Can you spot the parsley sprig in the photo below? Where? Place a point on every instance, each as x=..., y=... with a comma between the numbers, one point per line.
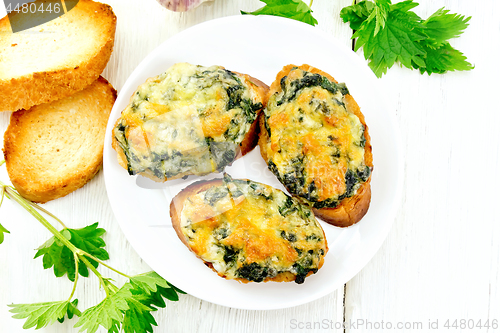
x=73, y=252
x=391, y=33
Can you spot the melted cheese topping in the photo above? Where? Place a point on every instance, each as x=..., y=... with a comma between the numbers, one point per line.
x=188, y=120
x=315, y=146
x=252, y=231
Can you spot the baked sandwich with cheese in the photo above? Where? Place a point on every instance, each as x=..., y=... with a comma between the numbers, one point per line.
x=190, y=120
x=315, y=140
x=248, y=231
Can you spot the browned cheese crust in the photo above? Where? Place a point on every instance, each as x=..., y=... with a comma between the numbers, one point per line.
x=247, y=145
x=352, y=209
x=176, y=207
x=53, y=149
x=56, y=82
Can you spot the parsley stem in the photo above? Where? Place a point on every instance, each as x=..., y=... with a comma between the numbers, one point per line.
x=75, y=256
x=26, y=205
x=2, y=194
x=94, y=270
x=311, y=3
x=105, y=265
x=2, y=162
x=48, y=213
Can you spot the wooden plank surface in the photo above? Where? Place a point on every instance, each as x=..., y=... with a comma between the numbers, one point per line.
x=441, y=258
x=142, y=26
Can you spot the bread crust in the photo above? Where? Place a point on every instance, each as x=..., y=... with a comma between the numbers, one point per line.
x=46, y=160
x=352, y=209
x=55, y=83
x=247, y=145
x=176, y=207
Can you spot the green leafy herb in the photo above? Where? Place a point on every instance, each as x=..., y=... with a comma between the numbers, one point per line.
x=71, y=311
x=391, y=33
x=126, y=309
x=2, y=229
x=293, y=9
x=40, y=314
x=56, y=254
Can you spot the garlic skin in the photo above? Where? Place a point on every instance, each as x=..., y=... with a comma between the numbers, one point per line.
x=181, y=5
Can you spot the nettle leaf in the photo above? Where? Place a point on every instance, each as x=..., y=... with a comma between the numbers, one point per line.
x=442, y=26
x=397, y=41
x=56, y=254
x=392, y=33
x=357, y=14
x=444, y=59
x=293, y=9
x=40, y=314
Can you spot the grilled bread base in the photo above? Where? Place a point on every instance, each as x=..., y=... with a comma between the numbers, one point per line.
x=55, y=148
x=176, y=207
x=55, y=59
x=352, y=209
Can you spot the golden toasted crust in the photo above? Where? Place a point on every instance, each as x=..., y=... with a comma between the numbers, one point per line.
x=247, y=145
x=56, y=66
x=55, y=148
x=175, y=215
x=349, y=210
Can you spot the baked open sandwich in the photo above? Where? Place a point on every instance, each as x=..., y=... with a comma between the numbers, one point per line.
x=315, y=140
x=248, y=231
x=190, y=120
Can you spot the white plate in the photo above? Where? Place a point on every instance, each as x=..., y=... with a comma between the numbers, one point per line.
x=259, y=46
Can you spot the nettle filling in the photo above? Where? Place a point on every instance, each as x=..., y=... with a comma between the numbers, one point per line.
x=316, y=147
x=188, y=120
x=252, y=231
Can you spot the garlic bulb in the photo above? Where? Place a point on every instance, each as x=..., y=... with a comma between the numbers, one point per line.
x=181, y=5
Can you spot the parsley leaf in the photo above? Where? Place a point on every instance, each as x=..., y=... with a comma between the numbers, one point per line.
x=107, y=313
x=129, y=308
x=2, y=231
x=293, y=9
x=138, y=318
x=57, y=255
x=40, y=314
x=71, y=311
x=390, y=33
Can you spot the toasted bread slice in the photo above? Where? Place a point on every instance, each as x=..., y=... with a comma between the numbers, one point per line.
x=57, y=58
x=248, y=231
x=55, y=148
x=190, y=120
x=310, y=140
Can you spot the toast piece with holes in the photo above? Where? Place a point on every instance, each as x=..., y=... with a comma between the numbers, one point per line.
x=55, y=148
x=55, y=59
x=314, y=138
